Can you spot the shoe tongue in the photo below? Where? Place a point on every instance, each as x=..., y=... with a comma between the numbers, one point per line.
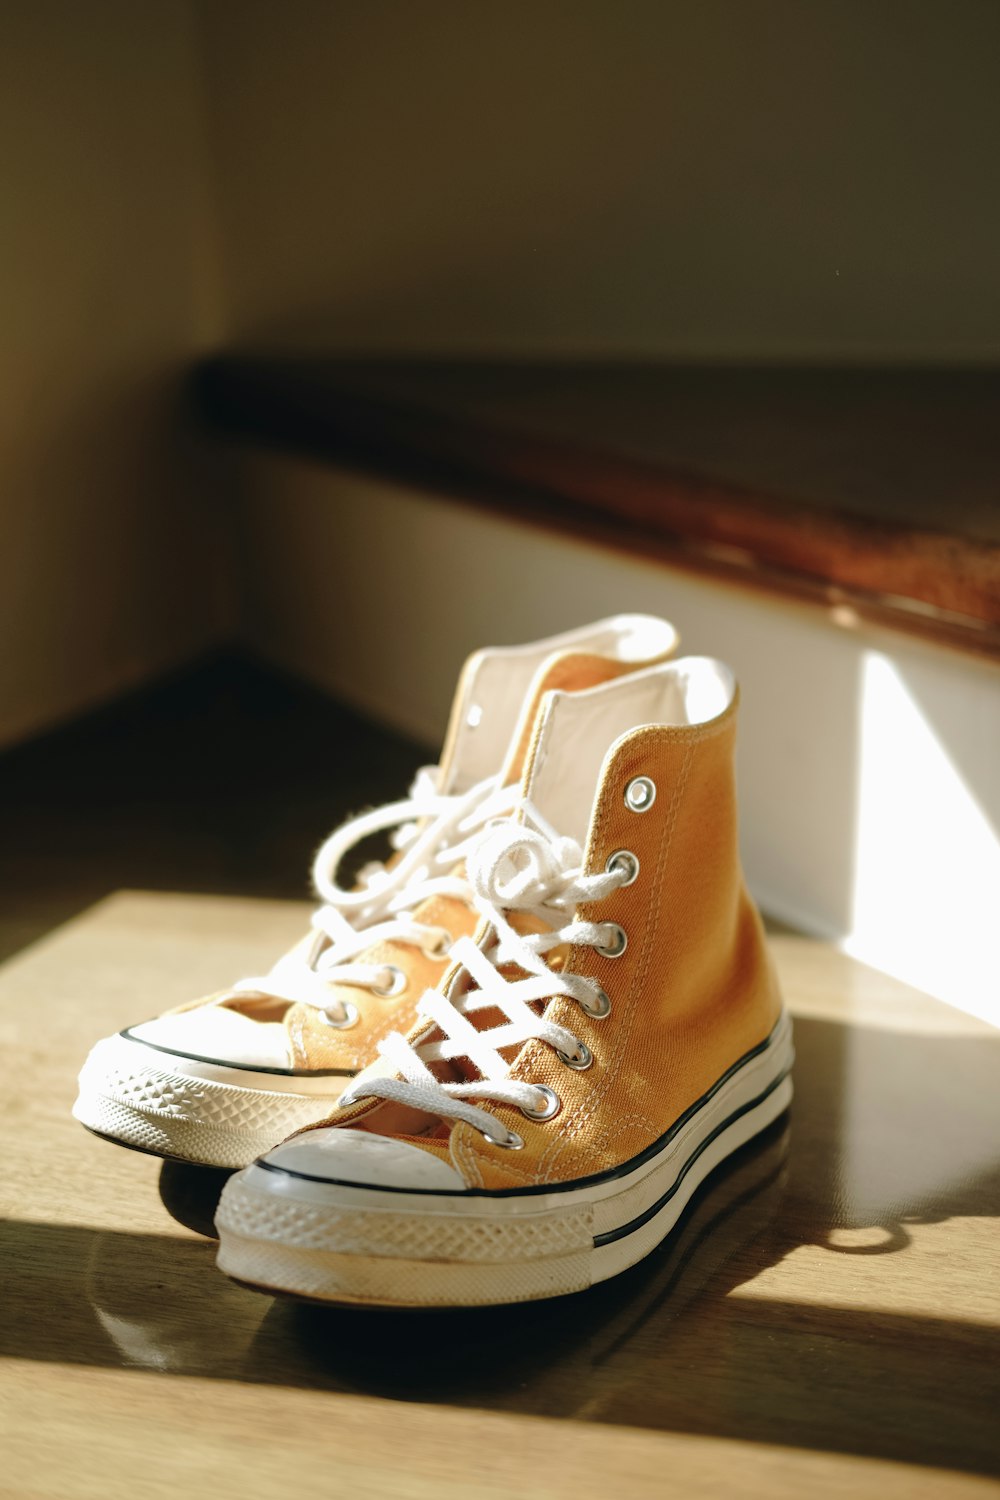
x=496, y=702
x=572, y=734
x=563, y=671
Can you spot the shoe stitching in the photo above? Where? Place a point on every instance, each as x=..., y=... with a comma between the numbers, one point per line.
x=466, y=1161
x=620, y=1125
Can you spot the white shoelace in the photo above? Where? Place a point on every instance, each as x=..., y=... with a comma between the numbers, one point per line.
x=522, y=867
x=433, y=832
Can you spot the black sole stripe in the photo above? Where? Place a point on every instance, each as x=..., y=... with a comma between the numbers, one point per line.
x=221, y=1062
x=620, y=1233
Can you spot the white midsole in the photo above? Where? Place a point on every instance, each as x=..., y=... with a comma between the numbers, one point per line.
x=352, y=1243
x=201, y=1112
x=125, y=1052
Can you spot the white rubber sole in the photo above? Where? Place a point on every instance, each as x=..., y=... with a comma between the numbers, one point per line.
x=339, y=1242
x=193, y=1110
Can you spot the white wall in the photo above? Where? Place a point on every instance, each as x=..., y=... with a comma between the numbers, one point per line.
x=109, y=568
x=868, y=762
x=734, y=178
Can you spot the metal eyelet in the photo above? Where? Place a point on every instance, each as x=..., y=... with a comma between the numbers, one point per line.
x=552, y=1105
x=396, y=985
x=580, y=1060
x=349, y=1017
x=511, y=1142
x=640, y=794
x=441, y=946
x=617, y=944
x=600, y=1008
x=625, y=861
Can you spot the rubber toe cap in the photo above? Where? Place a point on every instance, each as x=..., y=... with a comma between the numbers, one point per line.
x=219, y=1035
x=341, y=1155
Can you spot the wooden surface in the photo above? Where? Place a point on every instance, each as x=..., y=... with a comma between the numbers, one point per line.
x=825, y=1322
x=827, y=1318
x=876, y=491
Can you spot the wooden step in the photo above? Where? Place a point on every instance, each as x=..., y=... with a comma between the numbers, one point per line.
x=873, y=492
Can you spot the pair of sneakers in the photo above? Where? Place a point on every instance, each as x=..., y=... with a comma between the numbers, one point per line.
x=499, y=1065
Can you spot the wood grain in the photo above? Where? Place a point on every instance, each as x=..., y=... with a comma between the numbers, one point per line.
x=872, y=491
x=826, y=1320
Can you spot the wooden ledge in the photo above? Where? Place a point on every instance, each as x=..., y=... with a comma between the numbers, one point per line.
x=875, y=493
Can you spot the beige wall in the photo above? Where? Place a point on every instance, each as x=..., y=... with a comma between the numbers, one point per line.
x=107, y=571
x=760, y=178
x=714, y=177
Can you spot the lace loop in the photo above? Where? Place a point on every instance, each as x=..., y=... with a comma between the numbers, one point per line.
x=514, y=865
x=433, y=832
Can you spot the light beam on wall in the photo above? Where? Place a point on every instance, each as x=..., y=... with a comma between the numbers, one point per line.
x=926, y=899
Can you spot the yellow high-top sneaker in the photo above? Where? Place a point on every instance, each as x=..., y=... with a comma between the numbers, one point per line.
x=219, y=1080
x=611, y=1033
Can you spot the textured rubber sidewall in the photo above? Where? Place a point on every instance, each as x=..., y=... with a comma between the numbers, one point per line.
x=136, y=1096
x=360, y=1255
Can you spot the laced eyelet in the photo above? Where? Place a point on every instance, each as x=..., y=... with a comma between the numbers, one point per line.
x=640, y=794
x=396, y=984
x=625, y=862
x=579, y=1060
x=510, y=1142
x=552, y=1105
x=441, y=946
x=600, y=1007
x=349, y=1017
x=618, y=942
